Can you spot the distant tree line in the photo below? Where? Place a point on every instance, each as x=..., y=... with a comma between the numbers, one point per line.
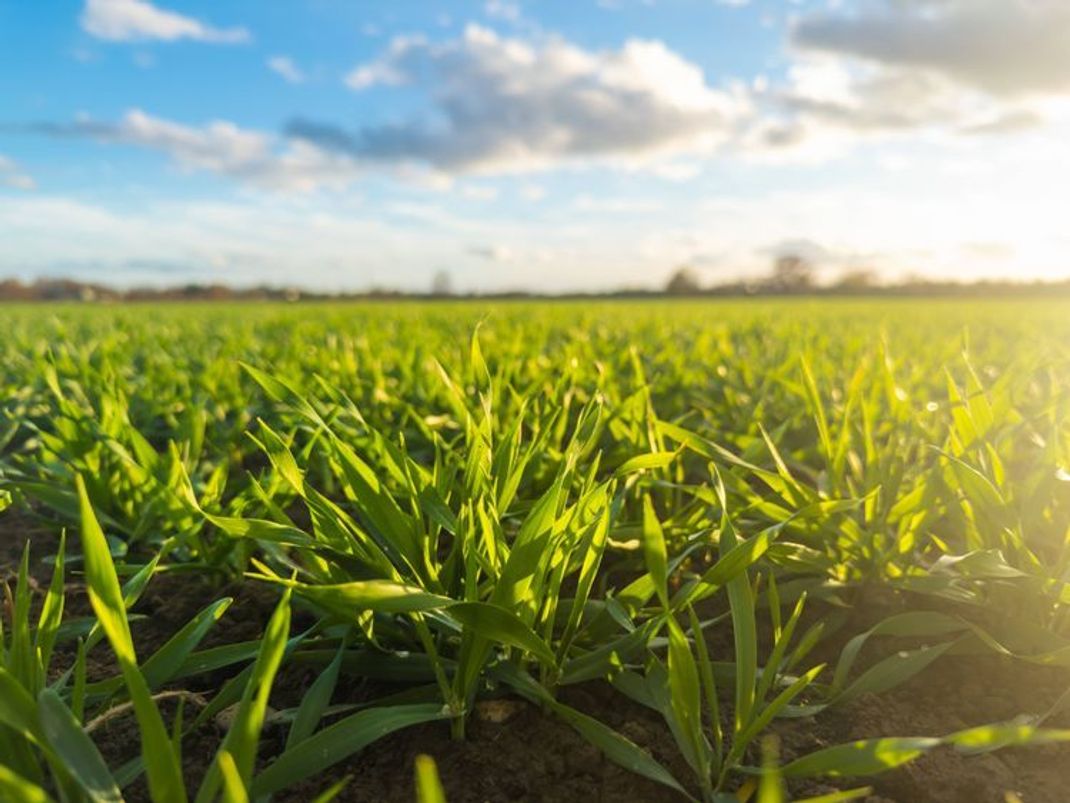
x=790, y=275
x=71, y=290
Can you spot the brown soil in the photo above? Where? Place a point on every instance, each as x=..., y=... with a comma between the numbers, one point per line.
x=955, y=693
x=533, y=757
x=16, y=529
x=529, y=757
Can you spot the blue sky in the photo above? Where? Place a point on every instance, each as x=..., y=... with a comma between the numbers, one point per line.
x=556, y=145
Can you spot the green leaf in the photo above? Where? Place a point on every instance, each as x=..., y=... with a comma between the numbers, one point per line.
x=16, y=788
x=839, y=797
x=686, y=700
x=981, y=563
x=167, y=662
x=593, y=548
x=645, y=461
x=51, y=613
x=244, y=735
x=428, y=786
x=18, y=709
x=78, y=690
x=315, y=701
x=766, y=714
x=233, y=788
x=161, y=764
x=863, y=757
x=891, y=672
x=22, y=661
x=499, y=625
x=729, y=566
x=654, y=551
x=607, y=657
x=709, y=687
x=617, y=748
x=75, y=749
x=333, y=791
x=381, y=596
x=986, y=738
x=910, y=624
x=339, y=741
x=741, y=604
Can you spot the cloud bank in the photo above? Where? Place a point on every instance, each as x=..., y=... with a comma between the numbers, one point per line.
x=1010, y=48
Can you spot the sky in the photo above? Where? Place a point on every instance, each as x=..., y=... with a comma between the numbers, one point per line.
x=561, y=145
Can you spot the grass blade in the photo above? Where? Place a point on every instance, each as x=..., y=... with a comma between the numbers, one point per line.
x=105, y=595
x=338, y=741
x=75, y=749
x=428, y=786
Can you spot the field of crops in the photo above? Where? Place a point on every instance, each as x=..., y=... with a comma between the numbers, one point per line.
x=663, y=551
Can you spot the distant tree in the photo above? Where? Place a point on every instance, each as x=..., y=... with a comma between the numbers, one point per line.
x=792, y=273
x=857, y=279
x=442, y=284
x=13, y=289
x=683, y=282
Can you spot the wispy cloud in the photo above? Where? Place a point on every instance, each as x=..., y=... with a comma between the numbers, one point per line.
x=140, y=20
x=223, y=148
x=285, y=67
x=830, y=100
x=13, y=177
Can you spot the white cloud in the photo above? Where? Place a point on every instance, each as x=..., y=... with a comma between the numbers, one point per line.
x=824, y=98
x=383, y=72
x=139, y=20
x=510, y=104
x=878, y=67
x=1009, y=48
x=285, y=67
x=13, y=177
x=221, y=147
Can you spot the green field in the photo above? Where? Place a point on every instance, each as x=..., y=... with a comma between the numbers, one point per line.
x=739, y=550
